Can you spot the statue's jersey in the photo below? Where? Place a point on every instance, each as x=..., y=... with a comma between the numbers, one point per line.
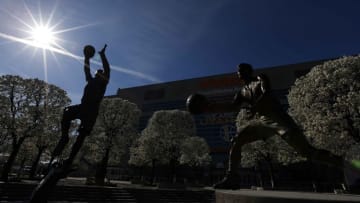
x=248, y=94
x=94, y=91
x=255, y=99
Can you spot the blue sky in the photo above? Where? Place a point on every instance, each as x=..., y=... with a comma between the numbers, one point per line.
x=165, y=40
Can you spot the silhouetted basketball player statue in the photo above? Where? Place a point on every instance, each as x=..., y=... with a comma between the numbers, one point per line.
x=87, y=112
x=254, y=98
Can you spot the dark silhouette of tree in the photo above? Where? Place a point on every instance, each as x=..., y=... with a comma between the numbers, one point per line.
x=24, y=111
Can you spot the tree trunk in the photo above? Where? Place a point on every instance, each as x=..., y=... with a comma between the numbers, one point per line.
x=259, y=175
x=173, y=170
x=142, y=173
x=153, y=171
x=101, y=169
x=9, y=163
x=271, y=173
x=36, y=162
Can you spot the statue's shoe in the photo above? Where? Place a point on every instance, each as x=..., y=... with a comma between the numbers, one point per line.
x=229, y=182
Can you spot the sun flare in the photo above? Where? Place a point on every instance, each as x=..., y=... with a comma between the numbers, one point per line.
x=43, y=36
x=41, y=31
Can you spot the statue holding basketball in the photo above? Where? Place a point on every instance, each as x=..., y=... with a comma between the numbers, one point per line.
x=254, y=98
x=87, y=111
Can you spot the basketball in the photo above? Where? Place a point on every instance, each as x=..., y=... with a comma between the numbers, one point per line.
x=196, y=103
x=89, y=51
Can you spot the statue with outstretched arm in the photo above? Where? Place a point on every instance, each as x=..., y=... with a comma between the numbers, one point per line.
x=252, y=99
x=87, y=112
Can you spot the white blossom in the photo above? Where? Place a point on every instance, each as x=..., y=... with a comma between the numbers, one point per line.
x=326, y=104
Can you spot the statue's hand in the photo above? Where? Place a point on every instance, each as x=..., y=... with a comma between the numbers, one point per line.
x=102, y=51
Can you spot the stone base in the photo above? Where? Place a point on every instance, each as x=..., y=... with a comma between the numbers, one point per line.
x=263, y=196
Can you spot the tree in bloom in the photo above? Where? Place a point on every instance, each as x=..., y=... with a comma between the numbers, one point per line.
x=113, y=134
x=163, y=140
x=26, y=111
x=195, y=152
x=326, y=104
x=49, y=132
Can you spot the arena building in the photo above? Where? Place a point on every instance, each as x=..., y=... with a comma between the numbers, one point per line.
x=217, y=129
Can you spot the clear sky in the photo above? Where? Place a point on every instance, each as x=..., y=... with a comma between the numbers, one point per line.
x=151, y=41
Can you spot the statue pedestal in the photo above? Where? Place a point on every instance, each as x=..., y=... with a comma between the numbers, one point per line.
x=263, y=196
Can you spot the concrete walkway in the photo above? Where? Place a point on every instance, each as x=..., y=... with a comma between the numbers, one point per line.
x=259, y=196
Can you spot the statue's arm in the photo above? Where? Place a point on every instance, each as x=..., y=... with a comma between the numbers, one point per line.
x=87, y=68
x=264, y=83
x=224, y=107
x=264, y=86
x=105, y=62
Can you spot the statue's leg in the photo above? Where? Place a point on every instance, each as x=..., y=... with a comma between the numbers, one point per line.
x=70, y=113
x=88, y=118
x=74, y=150
x=246, y=135
x=56, y=171
x=83, y=133
x=41, y=192
x=287, y=128
x=296, y=139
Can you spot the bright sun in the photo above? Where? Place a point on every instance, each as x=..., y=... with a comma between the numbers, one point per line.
x=43, y=36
